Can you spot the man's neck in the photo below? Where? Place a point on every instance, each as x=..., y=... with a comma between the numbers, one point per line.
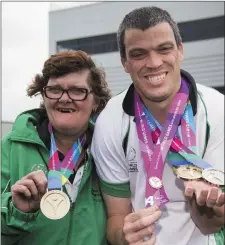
x=159, y=110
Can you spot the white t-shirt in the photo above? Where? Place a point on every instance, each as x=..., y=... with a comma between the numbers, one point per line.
x=122, y=171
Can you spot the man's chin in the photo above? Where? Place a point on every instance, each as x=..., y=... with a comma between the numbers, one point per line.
x=157, y=99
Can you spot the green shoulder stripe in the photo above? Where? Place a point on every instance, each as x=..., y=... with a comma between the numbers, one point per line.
x=116, y=190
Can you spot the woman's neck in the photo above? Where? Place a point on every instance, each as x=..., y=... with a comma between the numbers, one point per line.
x=65, y=142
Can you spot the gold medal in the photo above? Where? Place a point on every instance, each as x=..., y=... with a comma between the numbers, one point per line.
x=213, y=176
x=189, y=172
x=155, y=182
x=55, y=204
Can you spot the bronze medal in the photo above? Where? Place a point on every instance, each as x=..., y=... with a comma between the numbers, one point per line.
x=55, y=204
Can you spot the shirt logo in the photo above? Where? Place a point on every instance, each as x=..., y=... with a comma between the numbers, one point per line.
x=39, y=166
x=132, y=160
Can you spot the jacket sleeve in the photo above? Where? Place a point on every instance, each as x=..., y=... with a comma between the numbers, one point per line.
x=14, y=224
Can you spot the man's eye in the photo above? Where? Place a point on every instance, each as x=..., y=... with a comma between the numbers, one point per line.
x=137, y=55
x=165, y=49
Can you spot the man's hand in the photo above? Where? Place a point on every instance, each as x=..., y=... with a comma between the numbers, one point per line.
x=204, y=193
x=27, y=192
x=207, y=205
x=139, y=225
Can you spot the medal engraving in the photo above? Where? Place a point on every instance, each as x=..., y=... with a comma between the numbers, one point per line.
x=189, y=172
x=213, y=176
x=55, y=204
x=155, y=182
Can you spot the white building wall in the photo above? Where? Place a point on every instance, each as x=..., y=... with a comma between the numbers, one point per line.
x=5, y=127
x=203, y=59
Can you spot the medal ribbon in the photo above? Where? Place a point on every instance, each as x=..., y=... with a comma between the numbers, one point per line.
x=59, y=172
x=187, y=149
x=154, y=157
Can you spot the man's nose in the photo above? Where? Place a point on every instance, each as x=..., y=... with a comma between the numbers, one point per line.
x=153, y=61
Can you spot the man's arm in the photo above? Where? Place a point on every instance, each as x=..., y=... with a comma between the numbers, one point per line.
x=125, y=227
x=117, y=209
x=207, y=201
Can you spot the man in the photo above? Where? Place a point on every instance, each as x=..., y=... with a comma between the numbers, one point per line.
x=163, y=127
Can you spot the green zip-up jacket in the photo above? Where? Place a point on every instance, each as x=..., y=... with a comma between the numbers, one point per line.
x=23, y=151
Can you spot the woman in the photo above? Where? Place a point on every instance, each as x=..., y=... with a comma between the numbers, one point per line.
x=49, y=187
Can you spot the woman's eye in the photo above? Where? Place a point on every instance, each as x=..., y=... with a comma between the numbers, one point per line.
x=54, y=90
x=77, y=91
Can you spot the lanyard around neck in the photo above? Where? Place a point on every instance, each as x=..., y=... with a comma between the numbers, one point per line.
x=154, y=156
x=61, y=171
x=185, y=147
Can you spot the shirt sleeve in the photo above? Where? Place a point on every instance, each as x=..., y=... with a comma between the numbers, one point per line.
x=109, y=155
x=214, y=154
x=14, y=223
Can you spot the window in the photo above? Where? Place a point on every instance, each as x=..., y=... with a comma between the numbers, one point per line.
x=91, y=45
x=190, y=31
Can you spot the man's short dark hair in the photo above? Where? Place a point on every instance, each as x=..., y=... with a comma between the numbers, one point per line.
x=143, y=18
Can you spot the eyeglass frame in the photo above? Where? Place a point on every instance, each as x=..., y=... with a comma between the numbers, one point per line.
x=67, y=92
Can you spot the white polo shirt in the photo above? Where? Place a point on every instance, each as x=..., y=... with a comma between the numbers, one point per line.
x=121, y=168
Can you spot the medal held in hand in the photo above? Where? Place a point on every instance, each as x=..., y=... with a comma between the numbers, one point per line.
x=213, y=176
x=55, y=204
x=189, y=172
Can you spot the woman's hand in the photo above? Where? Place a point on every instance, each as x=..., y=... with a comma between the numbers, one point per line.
x=27, y=192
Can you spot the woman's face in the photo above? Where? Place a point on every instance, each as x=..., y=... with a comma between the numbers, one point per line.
x=67, y=116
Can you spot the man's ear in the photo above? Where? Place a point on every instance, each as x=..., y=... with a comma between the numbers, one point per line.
x=125, y=65
x=181, y=51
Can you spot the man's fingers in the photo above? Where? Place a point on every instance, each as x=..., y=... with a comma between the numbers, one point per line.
x=212, y=197
x=151, y=241
x=140, y=224
x=201, y=197
x=146, y=221
x=141, y=213
x=189, y=192
x=221, y=200
x=139, y=235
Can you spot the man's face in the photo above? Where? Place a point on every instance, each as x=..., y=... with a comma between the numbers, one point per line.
x=67, y=116
x=153, y=61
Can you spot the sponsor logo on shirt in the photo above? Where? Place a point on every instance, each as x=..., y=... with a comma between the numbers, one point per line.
x=132, y=160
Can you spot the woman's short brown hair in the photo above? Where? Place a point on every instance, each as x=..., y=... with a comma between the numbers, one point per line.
x=66, y=62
